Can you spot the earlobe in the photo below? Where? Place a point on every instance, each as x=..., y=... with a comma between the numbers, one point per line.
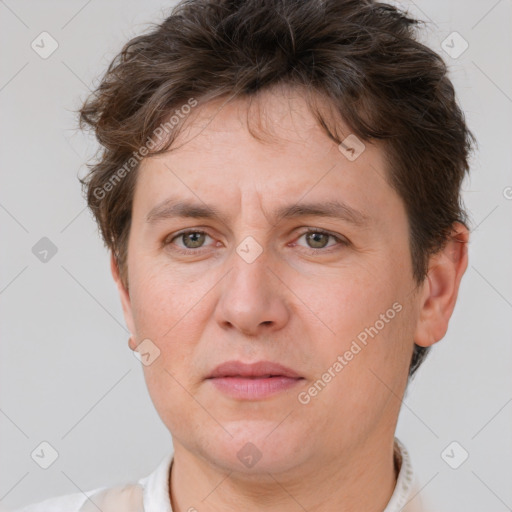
x=441, y=287
x=131, y=343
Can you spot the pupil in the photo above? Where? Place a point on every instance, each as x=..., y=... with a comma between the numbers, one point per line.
x=314, y=238
x=195, y=239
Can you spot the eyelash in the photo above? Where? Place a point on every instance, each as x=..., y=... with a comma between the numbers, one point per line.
x=309, y=250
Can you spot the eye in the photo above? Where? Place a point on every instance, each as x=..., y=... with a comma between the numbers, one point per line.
x=318, y=239
x=191, y=240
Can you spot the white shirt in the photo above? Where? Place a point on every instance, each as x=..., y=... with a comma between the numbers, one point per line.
x=151, y=493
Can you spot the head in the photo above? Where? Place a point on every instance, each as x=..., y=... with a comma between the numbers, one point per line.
x=242, y=127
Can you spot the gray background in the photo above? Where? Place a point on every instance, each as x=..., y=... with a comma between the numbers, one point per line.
x=67, y=375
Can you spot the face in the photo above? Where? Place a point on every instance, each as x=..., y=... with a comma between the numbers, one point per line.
x=234, y=255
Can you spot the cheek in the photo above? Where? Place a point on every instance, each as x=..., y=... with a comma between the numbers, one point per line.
x=362, y=315
x=174, y=405
x=369, y=376
x=347, y=301
x=172, y=313
x=159, y=298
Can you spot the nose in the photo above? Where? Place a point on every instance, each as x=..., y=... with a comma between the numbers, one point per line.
x=253, y=299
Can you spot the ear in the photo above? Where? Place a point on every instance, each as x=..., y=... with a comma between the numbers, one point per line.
x=125, y=300
x=441, y=287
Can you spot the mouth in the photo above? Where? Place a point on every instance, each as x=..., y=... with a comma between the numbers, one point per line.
x=253, y=381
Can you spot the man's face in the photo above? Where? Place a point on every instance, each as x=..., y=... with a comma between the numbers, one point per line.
x=251, y=286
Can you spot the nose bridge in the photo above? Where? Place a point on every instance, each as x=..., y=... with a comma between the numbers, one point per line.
x=251, y=298
x=251, y=261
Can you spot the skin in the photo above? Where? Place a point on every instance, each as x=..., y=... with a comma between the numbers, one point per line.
x=290, y=306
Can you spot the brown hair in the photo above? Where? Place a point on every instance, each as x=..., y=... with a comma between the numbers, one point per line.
x=359, y=55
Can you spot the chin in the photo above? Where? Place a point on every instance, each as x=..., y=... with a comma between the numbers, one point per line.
x=257, y=447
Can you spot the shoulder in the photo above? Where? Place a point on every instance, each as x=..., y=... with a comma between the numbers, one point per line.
x=150, y=492
x=66, y=502
x=112, y=499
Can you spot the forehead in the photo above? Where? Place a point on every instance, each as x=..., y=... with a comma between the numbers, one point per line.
x=269, y=149
x=277, y=121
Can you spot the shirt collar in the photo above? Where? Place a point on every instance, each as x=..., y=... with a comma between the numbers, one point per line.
x=406, y=485
x=157, y=497
x=156, y=487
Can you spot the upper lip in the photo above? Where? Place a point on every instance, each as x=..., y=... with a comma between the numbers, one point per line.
x=259, y=369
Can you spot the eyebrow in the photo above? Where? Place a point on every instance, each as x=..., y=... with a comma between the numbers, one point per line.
x=171, y=208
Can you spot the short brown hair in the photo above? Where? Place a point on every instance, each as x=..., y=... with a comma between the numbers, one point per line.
x=361, y=56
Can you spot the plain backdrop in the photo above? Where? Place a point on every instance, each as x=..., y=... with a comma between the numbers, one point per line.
x=68, y=377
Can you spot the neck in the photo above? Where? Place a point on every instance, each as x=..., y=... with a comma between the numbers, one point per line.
x=362, y=480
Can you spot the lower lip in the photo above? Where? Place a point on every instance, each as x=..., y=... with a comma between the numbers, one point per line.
x=253, y=389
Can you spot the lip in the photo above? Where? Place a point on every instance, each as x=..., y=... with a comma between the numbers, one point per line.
x=253, y=381
x=259, y=369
